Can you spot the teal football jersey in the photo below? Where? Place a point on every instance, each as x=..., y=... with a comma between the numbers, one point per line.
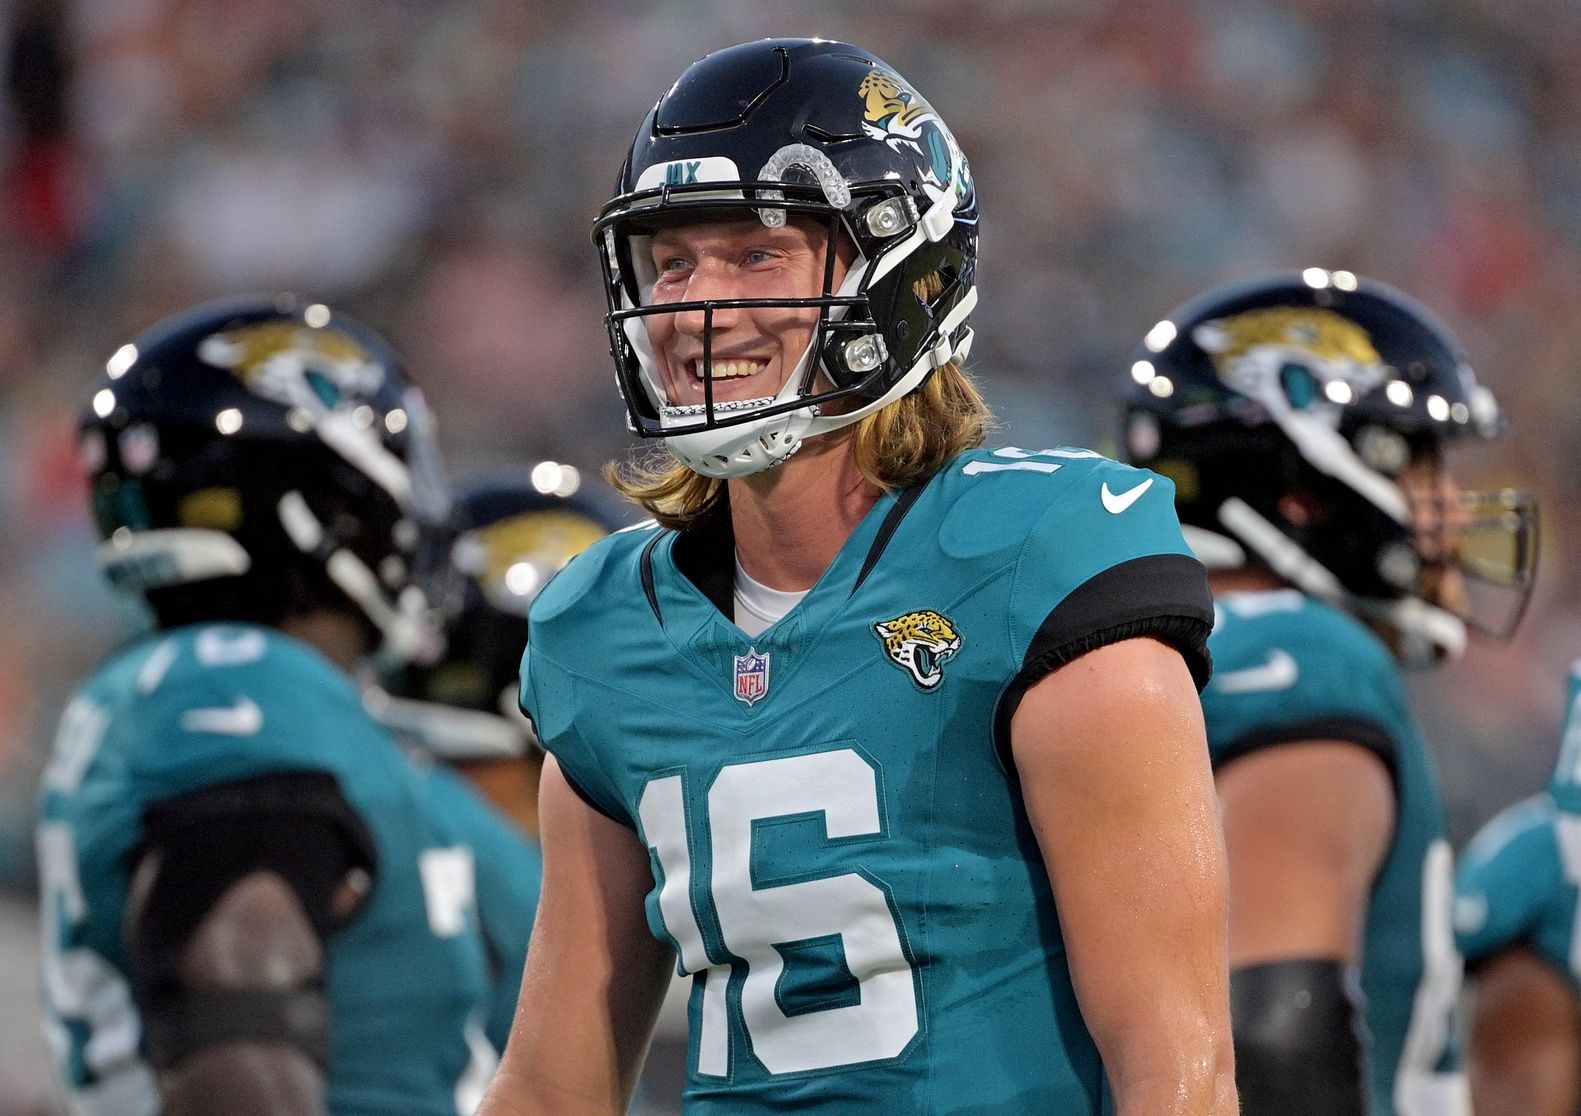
x=841, y=858
x=1288, y=669
x=509, y=867
x=1519, y=877
x=208, y=705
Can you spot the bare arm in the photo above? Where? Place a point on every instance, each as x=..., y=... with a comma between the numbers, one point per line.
x=1306, y=827
x=595, y=973
x=256, y=938
x=1525, y=1048
x=1114, y=768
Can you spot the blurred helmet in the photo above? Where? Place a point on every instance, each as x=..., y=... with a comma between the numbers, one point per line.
x=258, y=458
x=826, y=131
x=511, y=534
x=1287, y=410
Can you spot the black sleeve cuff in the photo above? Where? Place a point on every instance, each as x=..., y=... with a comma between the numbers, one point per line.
x=296, y=824
x=1161, y=596
x=292, y=796
x=1360, y=731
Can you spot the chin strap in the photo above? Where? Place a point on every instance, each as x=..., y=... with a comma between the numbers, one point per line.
x=1426, y=634
x=403, y=621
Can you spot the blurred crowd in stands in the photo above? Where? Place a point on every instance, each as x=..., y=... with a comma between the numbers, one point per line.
x=435, y=167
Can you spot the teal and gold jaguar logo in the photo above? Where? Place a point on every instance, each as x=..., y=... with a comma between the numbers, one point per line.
x=1293, y=358
x=295, y=365
x=899, y=116
x=920, y=643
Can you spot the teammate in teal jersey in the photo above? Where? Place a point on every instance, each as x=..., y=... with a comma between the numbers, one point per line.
x=892, y=744
x=1304, y=419
x=513, y=533
x=1515, y=921
x=248, y=904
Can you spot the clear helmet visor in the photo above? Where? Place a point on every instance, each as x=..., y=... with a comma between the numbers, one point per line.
x=1492, y=565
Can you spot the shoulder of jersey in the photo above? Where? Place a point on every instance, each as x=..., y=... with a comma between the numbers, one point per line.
x=235, y=680
x=583, y=576
x=1511, y=827
x=1304, y=627
x=1018, y=486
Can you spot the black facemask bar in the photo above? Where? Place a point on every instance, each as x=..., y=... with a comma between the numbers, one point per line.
x=628, y=217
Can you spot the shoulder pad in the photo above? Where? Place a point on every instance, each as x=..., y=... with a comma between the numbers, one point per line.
x=570, y=588
x=229, y=701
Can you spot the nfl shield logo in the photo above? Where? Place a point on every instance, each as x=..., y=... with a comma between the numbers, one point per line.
x=752, y=677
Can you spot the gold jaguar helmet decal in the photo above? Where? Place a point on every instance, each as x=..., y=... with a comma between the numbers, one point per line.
x=295, y=365
x=512, y=559
x=896, y=114
x=1293, y=358
x=920, y=643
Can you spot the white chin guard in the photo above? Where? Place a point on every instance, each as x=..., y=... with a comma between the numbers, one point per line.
x=739, y=451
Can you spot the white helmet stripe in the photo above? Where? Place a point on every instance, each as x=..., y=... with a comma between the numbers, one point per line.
x=362, y=449
x=1328, y=451
x=170, y=556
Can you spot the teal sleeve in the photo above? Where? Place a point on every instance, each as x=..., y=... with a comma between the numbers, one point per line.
x=1308, y=674
x=548, y=698
x=208, y=725
x=1089, y=575
x=1509, y=877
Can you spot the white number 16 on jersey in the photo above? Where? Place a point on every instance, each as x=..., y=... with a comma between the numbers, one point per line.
x=755, y=922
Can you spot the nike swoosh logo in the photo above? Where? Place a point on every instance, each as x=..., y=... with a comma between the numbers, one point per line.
x=242, y=719
x=1114, y=504
x=1278, y=673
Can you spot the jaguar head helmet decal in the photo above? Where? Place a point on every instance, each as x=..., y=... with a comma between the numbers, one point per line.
x=317, y=369
x=1293, y=358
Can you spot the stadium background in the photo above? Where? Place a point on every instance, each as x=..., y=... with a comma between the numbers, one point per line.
x=434, y=166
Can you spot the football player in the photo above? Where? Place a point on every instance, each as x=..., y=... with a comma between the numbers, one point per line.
x=248, y=905
x=1515, y=921
x=892, y=743
x=1305, y=420
x=513, y=534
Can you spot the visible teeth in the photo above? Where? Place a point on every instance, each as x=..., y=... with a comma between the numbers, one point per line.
x=731, y=369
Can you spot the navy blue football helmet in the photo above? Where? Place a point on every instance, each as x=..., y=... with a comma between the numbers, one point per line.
x=511, y=533
x=257, y=458
x=819, y=130
x=1289, y=410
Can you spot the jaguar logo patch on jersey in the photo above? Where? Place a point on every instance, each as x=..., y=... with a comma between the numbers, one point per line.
x=752, y=677
x=920, y=643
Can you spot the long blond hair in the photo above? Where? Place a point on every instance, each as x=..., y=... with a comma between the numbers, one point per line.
x=910, y=439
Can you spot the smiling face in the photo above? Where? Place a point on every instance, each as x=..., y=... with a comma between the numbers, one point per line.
x=754, y=350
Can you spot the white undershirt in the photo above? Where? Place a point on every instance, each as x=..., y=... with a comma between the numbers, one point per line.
x=757, y=607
